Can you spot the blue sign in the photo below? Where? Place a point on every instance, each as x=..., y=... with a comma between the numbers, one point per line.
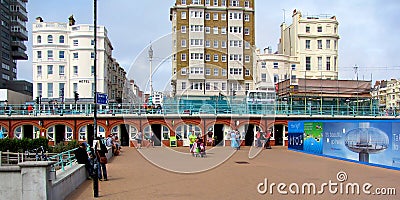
x=102, y=98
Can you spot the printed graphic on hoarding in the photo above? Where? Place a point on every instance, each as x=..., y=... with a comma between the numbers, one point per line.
x=313, y=137
x=296, y=141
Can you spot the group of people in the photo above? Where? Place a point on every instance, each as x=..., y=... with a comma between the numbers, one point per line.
x=150, y=138
x=263, y=139
x=113, y=142
x=235, y=139
x=197, y=145
x=95, y=159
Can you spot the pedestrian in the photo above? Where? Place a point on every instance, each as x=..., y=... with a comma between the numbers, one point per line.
x=101, y=151
x=151, y=139
x=139, y=138
x=238, y=139
x=192, y=140
x=267, y=138
x=233, y=140
x=110, y=143
x=258, y=139
x=30, y=109
x=82, y=157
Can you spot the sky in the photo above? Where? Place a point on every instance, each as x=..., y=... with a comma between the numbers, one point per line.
x=368, y=30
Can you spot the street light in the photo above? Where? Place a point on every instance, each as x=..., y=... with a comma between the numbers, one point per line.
x=151, y=70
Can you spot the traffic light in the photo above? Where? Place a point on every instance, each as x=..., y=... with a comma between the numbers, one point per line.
x=76, y=96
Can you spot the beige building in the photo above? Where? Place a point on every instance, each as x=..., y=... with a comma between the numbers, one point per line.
x=212, y=45
x=311, y=42
x=387, y=93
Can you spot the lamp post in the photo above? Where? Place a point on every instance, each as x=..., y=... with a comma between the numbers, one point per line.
x=95, y=177
x=151, y=70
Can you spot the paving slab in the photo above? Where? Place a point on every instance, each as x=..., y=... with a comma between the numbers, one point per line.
x=133, y=176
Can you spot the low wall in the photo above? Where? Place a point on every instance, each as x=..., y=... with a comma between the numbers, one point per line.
x=35, y=180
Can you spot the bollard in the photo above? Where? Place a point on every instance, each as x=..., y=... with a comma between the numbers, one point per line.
x=1, y=158
x=95, y=178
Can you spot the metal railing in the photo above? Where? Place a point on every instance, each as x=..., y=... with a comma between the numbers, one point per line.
x=66, y=158
x=197, y=109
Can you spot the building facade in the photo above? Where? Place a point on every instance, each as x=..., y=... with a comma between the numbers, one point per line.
x=388, y=94
x=13, y=36
x=63, y=62
x=312, y=41
x=213, y=44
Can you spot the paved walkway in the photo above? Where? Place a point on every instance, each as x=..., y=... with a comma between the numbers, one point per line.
x=132, y=176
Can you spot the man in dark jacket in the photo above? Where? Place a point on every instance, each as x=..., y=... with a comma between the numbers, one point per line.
x=82, y=157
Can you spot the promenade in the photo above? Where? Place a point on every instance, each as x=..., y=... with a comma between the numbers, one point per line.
x=133, y=176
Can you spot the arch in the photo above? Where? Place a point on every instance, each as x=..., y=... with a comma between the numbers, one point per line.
x=26, y=131
x=3, y=132
x=50, y=39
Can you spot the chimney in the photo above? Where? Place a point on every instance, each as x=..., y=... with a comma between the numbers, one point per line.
x=39, y=19
x=71, y=20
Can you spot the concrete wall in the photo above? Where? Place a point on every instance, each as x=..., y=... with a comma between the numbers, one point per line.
x=66, y=182
x=11, y=182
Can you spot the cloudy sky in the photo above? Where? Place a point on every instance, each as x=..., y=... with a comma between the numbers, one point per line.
x=368, y=29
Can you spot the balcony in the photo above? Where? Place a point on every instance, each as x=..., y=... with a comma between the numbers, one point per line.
x=19, y=55
x=19, y=45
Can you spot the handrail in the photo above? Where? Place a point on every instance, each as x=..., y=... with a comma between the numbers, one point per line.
x=63, y=159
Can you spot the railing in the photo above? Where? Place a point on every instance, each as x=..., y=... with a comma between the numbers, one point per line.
x=196, y=109
x=66, y=158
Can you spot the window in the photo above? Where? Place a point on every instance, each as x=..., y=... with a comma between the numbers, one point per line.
x=247, y=58
x=92, y=55
x=39, y=89
x=196, y=2
x=235, y=29
x=183, y=71
x=308, y=63
x=328, y=63
x=246, y=17
x=276, y=65
x=49, y=69
x=61, y=70
x=223, y=30
x=223, y=58
x=76, y=55
x=208, y=43
x=39, y=54
x=208, y=30
x=308, y=46
x=215, y=2
x=215, y=16
x=235, y=57
x=334, y=44
x=92, y=42
x=216, y=58
x=223, y=72
x=183, y=15
x=215, y=30
x=61, y=39
x=207, y=16
x=183, y=2
x=183, y=43
x=247, y=4
x=39, y=39
x=234, y=3
x=223, y=2
x=320, y=63
x=235, y=71
x=235, y=43
x=75, y=70
x=223, y=16
x=293, y=67
x=61, y=86
x=276, y=78
x=208, y=71
x=235, y=16
x=207, y=2
x=264, y=77
x=183, y=57
x=208, y=86
x=196, y=14
x=319, y=44
x=196, y=70
x=247, y=72
x=328, y=44
x=216, y=71
x=39, y=70
x=215, y=86
x=50, y=39
x=263, y=65
x=215, y=43
x=61, y=54
x=223, y=86
x=223, y=44
x=196, y=28
x=307, y=29
x=319, y=29
x=49, y=54
x=92, y=70
x=183, y=29
x=49, y=89
x=76, y=43
x=183, y=86
x=196, y=56
x=208, y=57
x=75, y=86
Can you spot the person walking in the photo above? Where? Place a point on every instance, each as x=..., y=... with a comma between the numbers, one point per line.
x=139, y=139
x=151, y=139
x=233, y=140
x=101, y=154
x=238, y=139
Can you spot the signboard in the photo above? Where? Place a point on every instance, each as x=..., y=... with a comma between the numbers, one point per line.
x=102, y=98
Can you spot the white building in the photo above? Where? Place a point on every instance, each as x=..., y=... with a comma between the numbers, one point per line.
x=308, y=48
x=63, y=59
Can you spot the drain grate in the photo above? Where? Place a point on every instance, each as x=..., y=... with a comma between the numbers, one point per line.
x=242, y=162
